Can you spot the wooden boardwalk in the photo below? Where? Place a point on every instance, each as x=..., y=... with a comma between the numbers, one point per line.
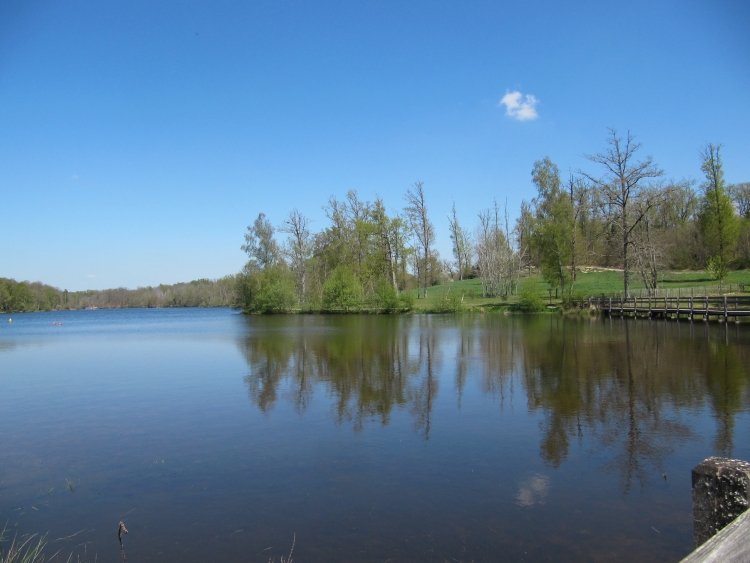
x=721, y=308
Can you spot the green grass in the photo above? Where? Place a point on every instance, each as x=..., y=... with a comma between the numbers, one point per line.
x=590, y=282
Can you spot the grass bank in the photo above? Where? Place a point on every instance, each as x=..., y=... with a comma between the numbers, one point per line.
x=591, y=281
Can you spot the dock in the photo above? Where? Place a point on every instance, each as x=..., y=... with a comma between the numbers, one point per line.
x=691, y=308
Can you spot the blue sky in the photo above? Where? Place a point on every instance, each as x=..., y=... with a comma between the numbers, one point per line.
x=139, y=139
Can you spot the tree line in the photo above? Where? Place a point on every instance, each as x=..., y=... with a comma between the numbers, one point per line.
x=35, y=296
x=628, y=216
x=623, y=214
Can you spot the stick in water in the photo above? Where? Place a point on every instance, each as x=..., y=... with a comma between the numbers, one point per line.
x=120, y=530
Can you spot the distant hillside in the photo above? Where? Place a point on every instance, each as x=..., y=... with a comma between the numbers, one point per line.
x=35, y=296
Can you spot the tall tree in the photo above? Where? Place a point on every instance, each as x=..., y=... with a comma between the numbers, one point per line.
x=260, y=244
x=717, y=217
x=554, y=225
x=461, y=245
x=524, y=231
x=298, y=248
x=648, y=250
x=424, y=232
x=623, y=190
x=578, y=193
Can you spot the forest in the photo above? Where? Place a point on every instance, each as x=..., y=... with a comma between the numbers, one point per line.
x=36, y=296
x=624, y=214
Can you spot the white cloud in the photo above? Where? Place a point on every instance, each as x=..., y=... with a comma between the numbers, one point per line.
x=533, y=490
x=90, y=276
x=519, y=106
x=74, y=177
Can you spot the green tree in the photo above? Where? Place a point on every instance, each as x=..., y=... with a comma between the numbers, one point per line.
x=719, y=224
x=524, y=233
x=554, y=225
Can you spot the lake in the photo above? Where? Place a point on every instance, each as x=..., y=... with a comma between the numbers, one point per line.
x=216, y=436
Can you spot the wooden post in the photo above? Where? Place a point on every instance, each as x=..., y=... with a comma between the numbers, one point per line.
x=649, y=307
x=721, y=491
x=726, y=317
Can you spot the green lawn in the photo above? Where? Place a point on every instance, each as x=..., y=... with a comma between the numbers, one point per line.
x=593, y=282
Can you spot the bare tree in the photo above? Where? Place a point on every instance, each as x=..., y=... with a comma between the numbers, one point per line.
x=461, y=244
x=740, y=194
x=424, y=232
x=298, y=248
x=623, y=187
x=497, y=262
x=649, y=251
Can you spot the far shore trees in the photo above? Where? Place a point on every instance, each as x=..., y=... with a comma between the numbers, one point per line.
x=26, y=296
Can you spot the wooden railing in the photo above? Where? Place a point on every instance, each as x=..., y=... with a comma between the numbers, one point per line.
x=726, y=307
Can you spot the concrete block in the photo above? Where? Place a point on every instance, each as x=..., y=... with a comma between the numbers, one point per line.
x=721, y=491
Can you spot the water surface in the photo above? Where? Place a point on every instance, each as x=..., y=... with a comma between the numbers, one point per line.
x=220, y=437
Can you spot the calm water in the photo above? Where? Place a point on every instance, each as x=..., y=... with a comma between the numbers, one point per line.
x=218, y=437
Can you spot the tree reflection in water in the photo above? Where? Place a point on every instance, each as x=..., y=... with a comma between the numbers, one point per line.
x=621, y=384
x=367, y=367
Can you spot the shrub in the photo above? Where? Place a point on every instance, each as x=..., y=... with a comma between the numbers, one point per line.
x=573, y=299
x=341, y=290
x=406, y=300
x=270, y=290
x=386, y=296
x=530, y=300
x=451, y=302
x=716, y=268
